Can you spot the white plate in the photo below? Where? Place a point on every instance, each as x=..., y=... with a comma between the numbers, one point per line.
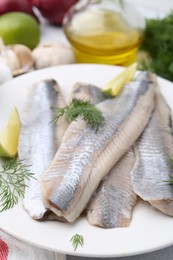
x=149, y=230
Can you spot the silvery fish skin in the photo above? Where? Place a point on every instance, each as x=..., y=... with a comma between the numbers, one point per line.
x=87, y=92
x=113, y=202
x=153, y=170
x=86, y=156
x=38, y=141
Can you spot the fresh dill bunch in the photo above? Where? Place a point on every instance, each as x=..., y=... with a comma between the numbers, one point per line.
x=77, y=240
x=12, y=186
x=158, y=43
x=83, y=108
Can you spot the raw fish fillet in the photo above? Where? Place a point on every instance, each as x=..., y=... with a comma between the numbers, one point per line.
x=86, y=156
x=113, y=202
x=39, y=140
x=155, y=147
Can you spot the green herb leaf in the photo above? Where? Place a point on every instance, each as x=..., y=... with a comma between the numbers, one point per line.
x=77, y=240
x=171, y=181
x=12, y=186
x=85, y=109
x=158, y=42
x=170, y=161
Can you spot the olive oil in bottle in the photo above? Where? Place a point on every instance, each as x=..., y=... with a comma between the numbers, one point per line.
x=103, y=35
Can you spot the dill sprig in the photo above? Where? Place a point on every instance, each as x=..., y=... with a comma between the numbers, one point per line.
x=170, y=160
x=83, y=108
x=12, y=186
x=77, y=240
x=171, y=181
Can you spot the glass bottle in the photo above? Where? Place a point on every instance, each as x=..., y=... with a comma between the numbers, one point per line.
x=104, y=31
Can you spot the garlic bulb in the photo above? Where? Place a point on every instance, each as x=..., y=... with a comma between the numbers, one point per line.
x=53, y=54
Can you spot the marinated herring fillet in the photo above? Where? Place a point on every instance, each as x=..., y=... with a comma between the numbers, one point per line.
x=154, y=148
x=85, y=92
x=38, y=140
x=53, y=133
x=86, y=156
x=112, y=204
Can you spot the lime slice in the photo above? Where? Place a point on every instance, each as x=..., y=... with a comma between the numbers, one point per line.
x=10, y=135
x=114, y=86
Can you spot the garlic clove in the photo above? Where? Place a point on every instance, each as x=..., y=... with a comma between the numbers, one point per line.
x=18, y=57
x=9, y=58
x=5, y=73
x=24, y=55
x=52, y=54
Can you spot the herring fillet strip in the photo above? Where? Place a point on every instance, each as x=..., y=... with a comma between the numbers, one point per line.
x=154, y=148
x=38, y=140
x=33, y=199
x=85, y=156
x=82, y=91
x=112, y=204
x=113, y=201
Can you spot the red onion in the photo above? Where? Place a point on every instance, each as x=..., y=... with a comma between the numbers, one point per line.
x=53, y=10
x=16, y=5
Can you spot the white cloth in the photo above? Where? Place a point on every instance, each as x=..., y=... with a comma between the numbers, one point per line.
x=14, y=249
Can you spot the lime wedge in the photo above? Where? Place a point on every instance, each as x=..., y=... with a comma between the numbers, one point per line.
x=10, y=135
x=114, y=86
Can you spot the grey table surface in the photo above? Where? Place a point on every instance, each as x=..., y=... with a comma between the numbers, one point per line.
x=163, y=254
